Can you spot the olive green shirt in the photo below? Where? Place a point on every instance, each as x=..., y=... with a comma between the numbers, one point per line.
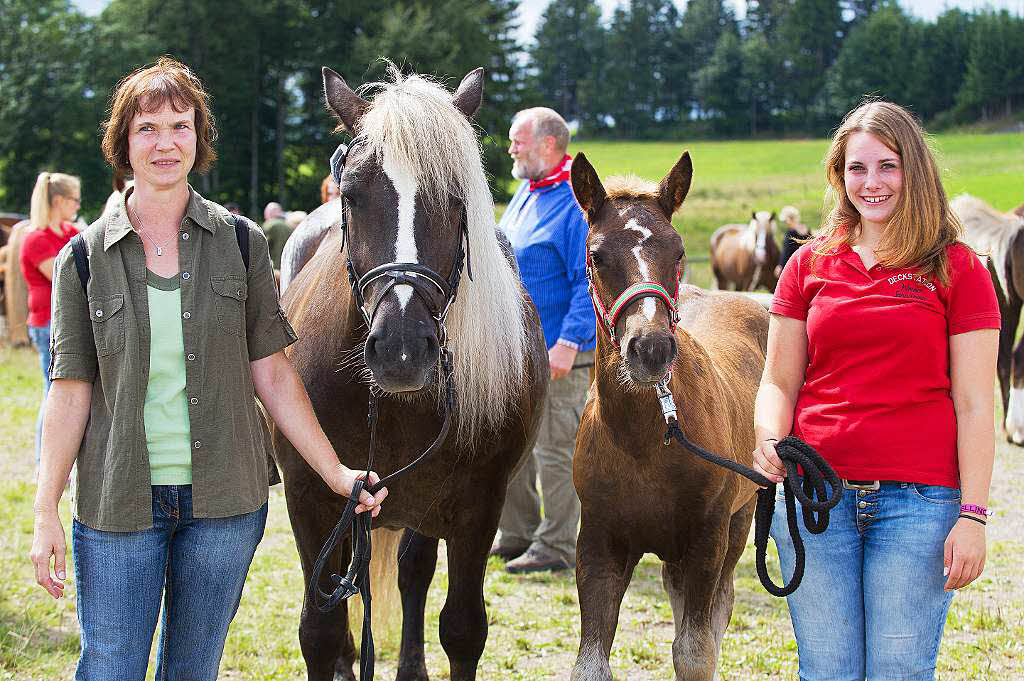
x=230, y=318
x=277, y=231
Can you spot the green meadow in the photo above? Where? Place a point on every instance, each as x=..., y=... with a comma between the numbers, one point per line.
x=534, y=620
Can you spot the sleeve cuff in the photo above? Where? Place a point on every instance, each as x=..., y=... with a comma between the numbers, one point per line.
x=568, y=344
x=276, y=334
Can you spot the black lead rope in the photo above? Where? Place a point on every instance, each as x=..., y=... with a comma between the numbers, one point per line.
x=814, y=498
x=357, y=578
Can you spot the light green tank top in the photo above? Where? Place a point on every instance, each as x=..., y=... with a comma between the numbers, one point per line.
x=166, y=409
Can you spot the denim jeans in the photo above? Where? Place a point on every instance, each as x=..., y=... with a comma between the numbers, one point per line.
x=198, y=565
x=871, y=604
x=40, y=336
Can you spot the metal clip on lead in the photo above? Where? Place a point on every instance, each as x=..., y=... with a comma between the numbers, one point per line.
x=668, y=405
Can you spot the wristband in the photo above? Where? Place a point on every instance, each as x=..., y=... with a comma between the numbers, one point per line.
x=971, y=517
x=974, y=508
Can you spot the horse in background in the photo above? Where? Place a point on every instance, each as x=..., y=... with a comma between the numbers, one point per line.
x=306, y=238
x=694, y=515
x=745, y=256
x=1000, y=236
x=416, y=200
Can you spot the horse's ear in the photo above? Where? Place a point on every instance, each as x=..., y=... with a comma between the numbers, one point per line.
x=587, y=187
x=470, y=93
x=676, y=185
x=753, y=215
x=343, y=101
x=772, y=218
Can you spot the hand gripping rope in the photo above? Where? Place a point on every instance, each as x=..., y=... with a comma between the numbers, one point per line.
x=813, y=497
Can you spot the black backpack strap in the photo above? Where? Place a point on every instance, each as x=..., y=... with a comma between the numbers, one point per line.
x=81, y=259
x=242, y=235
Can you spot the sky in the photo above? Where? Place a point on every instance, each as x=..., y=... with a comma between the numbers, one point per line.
x=530, y=10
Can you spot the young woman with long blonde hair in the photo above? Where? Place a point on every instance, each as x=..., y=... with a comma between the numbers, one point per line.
x=881, y=355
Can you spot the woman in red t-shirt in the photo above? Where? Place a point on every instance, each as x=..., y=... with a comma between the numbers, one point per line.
x=55, y=201
x=882, y=355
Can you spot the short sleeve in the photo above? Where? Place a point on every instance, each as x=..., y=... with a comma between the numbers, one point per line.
x=266, y=328
x=72, y=346
x=789, y=300
x=971, y=300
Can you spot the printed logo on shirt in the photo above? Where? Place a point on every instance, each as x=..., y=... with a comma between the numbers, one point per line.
x=910, y=286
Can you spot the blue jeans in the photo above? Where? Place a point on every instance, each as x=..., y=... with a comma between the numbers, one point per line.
x=871, y=604
x=40, y=336
x=199, y=566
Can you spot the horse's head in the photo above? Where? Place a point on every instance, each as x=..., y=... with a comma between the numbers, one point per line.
x=762, y=223
x=635, y=259
x=405, y=216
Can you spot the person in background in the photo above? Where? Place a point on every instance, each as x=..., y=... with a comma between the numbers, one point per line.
x=548, y=233
x=294, y=218
x=157, y=360
x=329, y=189
x=796, y=233
x=277, y=230
x=56, y=199
x=882, y=356
x=233, y=208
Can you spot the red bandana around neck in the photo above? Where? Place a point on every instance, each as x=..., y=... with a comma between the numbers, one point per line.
x=559, y=174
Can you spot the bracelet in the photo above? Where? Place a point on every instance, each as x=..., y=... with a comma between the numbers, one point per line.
x=974, y=508
x=971, y=517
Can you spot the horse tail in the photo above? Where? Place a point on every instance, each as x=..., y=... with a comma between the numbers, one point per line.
x=387, y=602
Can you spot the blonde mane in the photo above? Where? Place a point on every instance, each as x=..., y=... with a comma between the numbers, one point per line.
x=412, y=123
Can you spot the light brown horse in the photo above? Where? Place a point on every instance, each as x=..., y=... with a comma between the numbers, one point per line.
x=638, y=495
x=744, y=256
x=416, y=204
x=1000, y=237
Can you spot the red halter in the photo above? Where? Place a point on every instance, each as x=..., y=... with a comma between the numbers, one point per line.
x=643, y=289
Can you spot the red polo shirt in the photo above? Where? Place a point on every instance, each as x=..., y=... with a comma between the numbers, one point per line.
x=41, y=245
x=876, y=397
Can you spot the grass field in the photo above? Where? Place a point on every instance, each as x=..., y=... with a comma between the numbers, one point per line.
x=534, y=621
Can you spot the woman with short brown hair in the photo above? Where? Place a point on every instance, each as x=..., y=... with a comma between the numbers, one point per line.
x=157, y=357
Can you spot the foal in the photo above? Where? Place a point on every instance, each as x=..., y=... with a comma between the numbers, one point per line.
x=745, y=255
x=638, y=495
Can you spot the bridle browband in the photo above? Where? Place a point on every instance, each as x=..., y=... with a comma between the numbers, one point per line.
x=424, y=281
x=609, y=317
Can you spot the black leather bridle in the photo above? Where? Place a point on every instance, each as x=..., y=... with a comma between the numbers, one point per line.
x=423, y=280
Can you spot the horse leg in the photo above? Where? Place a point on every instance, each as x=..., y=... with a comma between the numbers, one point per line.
x=1009, y=363
x=693, y=589
x=325, y=639
x=603, y=571
x=415, y=571
x=463, y=621
x=721, y=610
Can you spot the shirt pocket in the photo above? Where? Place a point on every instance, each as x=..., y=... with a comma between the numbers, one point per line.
x=107, y=323
x=230, y=303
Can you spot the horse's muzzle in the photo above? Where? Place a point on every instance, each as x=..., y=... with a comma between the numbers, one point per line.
x=649, y=356
x=402, y=353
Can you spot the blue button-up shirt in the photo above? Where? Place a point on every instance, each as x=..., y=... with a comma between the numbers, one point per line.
x=549, y=236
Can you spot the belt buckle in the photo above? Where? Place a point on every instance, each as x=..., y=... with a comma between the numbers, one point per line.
x=872, y=485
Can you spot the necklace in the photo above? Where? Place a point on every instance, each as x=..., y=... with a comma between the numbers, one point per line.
x=142, y=232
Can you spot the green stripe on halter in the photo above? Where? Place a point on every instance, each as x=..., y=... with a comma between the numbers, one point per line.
x=645, y=287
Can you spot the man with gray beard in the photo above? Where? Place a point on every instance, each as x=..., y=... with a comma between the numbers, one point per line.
x=548, y=233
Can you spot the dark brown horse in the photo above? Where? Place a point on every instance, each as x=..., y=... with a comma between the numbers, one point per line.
x=1000, y=236
x=744, y=256
x=415, y=193
x=639, y=495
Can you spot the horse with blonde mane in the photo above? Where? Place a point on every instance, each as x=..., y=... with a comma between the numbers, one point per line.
x=745, y=256
x=415, y=198
x=1000, y=236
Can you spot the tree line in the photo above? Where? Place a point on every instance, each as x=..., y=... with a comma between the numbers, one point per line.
x=789, y=66
x=651, y=71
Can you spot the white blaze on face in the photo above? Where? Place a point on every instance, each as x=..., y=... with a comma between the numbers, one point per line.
x=648, y=305
x=405, y=244
x=1015, y=416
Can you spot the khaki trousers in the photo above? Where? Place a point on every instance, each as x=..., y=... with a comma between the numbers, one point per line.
x=521, y=522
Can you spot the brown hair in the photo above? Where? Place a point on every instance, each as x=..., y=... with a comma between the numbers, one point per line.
x=922, y=226
x=147, y=89
x=325, y=188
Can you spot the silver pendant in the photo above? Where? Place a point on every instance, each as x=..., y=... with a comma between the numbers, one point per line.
x=159, y=251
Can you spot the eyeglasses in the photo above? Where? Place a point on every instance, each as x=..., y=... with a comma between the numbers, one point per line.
x=76, y=199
